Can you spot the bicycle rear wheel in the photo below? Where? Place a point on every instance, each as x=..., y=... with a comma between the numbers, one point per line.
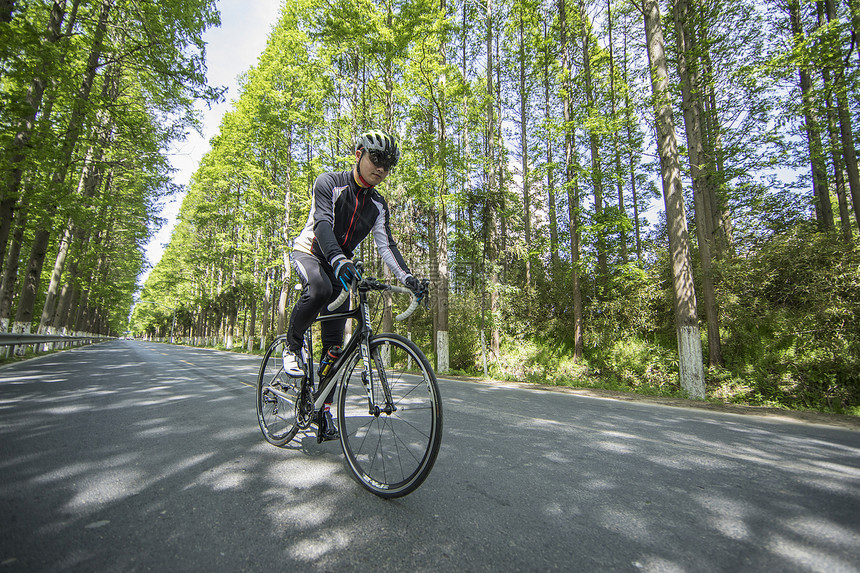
x=277, y=395
x=390, y=454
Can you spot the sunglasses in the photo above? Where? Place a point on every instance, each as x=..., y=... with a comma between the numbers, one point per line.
x=382, y=160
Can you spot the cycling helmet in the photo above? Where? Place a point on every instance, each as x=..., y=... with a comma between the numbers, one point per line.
x=380, y=144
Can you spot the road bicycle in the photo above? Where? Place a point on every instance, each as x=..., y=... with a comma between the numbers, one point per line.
x=389, y=412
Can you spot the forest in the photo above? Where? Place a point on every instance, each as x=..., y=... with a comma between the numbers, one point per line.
x=660, y=197
x=91, y=95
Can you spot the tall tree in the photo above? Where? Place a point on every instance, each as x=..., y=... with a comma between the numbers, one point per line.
x=702, y=191
x=46, y=70
x=571, y=183
x=524, y=140
x=686, y=317
x=38, y=250
x=87, y=186
x=441, y=263
x=849, y=151
x=820, y=191
x=546, y=58
x=617, y=175
x=835, y=149
x=632, y=144
x=594, y=143
x=492, y=192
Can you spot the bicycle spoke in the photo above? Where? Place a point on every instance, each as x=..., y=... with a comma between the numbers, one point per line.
x=376, y=452
x=276, y=397
x=391, y=454
x=416, y=428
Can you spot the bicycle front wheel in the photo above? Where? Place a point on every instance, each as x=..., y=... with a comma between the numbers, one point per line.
x=390, y=453
x=277, y=395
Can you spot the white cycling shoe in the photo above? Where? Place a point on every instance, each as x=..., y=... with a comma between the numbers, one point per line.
x=291, y=364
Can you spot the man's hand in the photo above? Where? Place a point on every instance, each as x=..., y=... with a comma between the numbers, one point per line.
x=346, y=272
x=416, y=286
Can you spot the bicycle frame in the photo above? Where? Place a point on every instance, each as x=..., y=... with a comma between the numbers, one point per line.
x=359, y=338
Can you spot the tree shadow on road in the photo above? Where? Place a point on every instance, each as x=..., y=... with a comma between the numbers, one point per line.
x=133, y=456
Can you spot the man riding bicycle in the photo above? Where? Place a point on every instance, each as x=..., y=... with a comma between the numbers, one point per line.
x=345, y=208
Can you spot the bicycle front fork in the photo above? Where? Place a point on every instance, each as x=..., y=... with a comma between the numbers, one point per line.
x=373, y=389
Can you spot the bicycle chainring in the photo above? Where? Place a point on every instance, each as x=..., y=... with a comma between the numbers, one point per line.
x=305, y=408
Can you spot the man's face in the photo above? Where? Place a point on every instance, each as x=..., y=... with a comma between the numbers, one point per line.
x=371, y=172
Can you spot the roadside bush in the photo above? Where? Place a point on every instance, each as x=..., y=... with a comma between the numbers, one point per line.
x=791, y=321
x=464, y=321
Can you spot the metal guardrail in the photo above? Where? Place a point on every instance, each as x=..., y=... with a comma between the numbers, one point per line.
x=19, y=339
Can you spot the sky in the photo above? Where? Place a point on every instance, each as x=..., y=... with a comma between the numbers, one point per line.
x=231, y=50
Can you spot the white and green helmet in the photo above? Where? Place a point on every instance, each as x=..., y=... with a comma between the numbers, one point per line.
x=379, y=142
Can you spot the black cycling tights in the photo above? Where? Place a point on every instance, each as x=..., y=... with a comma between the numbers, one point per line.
x=319, y=288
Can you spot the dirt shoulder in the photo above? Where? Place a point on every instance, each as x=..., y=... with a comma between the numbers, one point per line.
x=803, y=416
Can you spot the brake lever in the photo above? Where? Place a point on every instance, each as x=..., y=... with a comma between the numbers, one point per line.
x=425, y=293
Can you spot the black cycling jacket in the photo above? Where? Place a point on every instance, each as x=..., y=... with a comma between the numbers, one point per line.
x=342, y=215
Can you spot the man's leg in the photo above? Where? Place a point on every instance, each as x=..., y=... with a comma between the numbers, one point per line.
x=332, y=335
x=316, y=293
x=316, y=290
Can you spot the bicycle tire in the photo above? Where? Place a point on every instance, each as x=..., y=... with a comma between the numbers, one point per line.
x=276, y=395
x=390, y=454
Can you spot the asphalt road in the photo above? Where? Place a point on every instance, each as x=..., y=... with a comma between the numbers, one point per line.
x=133, y=456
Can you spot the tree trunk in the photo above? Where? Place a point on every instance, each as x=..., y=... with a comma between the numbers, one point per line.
x=550, y=180
x=443, y=362
x=21, y=141
x=628, y=111
x=252, y=331
x=283, y=311
x=432, y=245
x=686, y=320
x=10, y=269
x=53, y=287
x=833, y=133
x=821, y=195
x=849, y=152
x=524, y=151
x=80, y=312
x=596, y=169
x=615, y=144
x=443, y=344
x=572, y=187
x=500, y=206
x=490, y=204
x=701, y=184
x=71, y=310
x=723, y=239
x=854, y=9
x=61, y=315
x=26, y=302
x=267, y=304
x=90, y=180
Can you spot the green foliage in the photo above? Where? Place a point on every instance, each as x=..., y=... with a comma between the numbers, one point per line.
x=790, y=330
x=420, y=69
x=465, y=351
x=625, y=336
x=791, y=316
x=92, y=95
